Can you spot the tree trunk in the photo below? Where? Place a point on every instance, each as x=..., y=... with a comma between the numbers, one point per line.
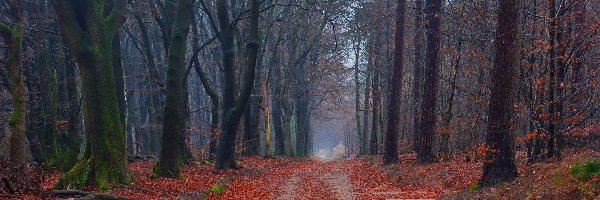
x=366, y=108
x=552, y=68
x=72, y=143
x=390, y=155
x=212, y=94
x=446, y=128
x=233, y=109
x=376, y=67
x=168, y=163
x=265, y=103
x=118, y=74
x=185, y=154
x=13, y=38
x=428, y=117
x=418, y=73
x=361, y=142
x=500, y=163
x=42, y=116
x=287, y=129
x=104, y=163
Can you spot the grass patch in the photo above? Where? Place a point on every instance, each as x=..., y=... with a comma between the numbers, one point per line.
x=475, y=186
x=584, y=171
x=217, y=188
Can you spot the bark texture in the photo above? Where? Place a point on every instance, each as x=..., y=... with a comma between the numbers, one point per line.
x=500, y=163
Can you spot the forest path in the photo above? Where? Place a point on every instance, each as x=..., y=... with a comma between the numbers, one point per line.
x=321, y=178
x=315, y=178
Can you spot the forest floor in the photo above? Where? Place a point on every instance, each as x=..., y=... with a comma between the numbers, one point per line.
x=345, y=178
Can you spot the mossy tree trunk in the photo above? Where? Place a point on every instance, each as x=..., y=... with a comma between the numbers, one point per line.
x=72, y=142
x=89, y=33
x=13, y=38
x=168, y=164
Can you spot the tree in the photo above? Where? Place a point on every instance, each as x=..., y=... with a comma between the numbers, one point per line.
x=232, y=109
x=265, y=105
x=428, y=118
x=168, y=163
x=500, y=165
x=359, y=130
x=376, y=83
x=390, y=154
x=13, y=38
x=418, y=72
x=207, y=85
x=88, y=28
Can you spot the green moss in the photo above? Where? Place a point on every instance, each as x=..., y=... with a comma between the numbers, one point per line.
x=77, y=177
x=206, y=162
x=584, y=171
x=475, y=186
x=159, y=171
x=217, y=188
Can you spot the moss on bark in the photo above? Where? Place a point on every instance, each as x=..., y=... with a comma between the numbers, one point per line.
x=105, y=161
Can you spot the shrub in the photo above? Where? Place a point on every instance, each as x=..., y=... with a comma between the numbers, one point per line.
x=584, y=171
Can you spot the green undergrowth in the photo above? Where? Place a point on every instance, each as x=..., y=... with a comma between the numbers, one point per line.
x=584, y=171
x=475, y=186
x=586, y=186
x=216, y=189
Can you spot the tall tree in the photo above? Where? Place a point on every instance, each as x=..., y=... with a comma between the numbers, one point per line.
x=89, y=32
x=377, y=65
x=433, y=12
x=500, y=140
x=265, y=106
x=232, y=109
x=361, y=143
x=13, y=38
x=418, y=72
x=390, y=154
x=168, y=163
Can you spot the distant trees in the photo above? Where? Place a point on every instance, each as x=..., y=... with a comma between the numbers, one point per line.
x=500, y=163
